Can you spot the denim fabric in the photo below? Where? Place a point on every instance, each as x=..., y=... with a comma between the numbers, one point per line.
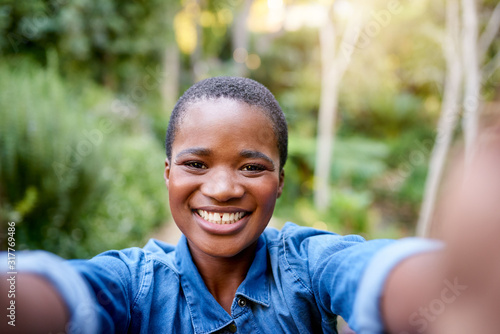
x=299, y=281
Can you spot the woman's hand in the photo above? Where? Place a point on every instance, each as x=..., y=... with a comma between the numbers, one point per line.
x=470, y=227
x=38, y=308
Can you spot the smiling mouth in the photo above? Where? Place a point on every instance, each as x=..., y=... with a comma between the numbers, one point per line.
x=221, y=217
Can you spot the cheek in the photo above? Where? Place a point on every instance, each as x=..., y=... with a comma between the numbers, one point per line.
x=266, y=193
x=180, y=189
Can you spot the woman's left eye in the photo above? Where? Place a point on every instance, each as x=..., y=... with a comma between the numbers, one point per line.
x=253, y=168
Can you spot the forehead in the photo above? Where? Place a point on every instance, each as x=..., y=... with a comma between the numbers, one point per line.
x=233, y=123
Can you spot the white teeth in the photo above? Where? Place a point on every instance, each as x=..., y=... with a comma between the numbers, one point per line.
x=220, y=218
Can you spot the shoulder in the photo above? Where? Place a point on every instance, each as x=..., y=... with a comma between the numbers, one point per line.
x=132, y=270
x=301, y=241
x=133, y=261
x=300, y=250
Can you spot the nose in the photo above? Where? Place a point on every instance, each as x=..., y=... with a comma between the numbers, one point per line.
x=222, y=186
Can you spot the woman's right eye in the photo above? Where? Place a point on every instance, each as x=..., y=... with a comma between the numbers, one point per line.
x=195, y=164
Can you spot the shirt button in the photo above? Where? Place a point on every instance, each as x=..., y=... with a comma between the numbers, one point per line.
x=242, y=302
x=232, y=328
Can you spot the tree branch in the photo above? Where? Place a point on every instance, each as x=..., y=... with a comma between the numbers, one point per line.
x=350, y=37
x=448, y=119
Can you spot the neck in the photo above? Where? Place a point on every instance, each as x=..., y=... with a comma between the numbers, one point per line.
x=223, y=275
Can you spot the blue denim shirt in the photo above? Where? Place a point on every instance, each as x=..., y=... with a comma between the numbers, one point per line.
x=300, y=280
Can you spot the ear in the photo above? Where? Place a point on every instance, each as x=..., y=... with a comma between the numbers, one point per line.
x=166, y=173
x=281, y=183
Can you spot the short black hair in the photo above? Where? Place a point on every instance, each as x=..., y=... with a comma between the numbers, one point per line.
x=234, y=88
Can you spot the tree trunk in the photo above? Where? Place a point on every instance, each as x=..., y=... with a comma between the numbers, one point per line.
x=334, y=63
x=170, y=83
x=449, y=116
x=326, y=117
x=472, y=74
x=472, y=49
x=240, y=36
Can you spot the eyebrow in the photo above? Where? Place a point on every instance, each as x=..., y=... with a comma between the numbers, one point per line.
x=204, y=152
x=249, y=154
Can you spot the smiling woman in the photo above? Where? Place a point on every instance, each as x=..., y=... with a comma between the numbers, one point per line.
x=226, y=147
x=223, y=170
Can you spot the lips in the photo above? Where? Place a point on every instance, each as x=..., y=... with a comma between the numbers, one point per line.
x=221, y=218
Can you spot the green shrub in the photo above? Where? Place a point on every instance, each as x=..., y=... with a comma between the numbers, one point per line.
x=401, y=189
x=357, y=162
x=76, y=177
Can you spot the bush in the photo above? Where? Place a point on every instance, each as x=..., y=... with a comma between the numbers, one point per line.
x=357, y=162
x=75, y=177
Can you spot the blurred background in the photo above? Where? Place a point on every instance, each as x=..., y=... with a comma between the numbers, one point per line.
x=376, y=93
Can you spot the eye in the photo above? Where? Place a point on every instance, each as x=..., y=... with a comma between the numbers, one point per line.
x=253, y=168
x=195, y=164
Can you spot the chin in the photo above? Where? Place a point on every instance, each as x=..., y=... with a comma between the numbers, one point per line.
x=223, y=252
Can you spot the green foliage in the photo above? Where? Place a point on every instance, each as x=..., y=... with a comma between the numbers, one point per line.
x=358, y=162
x=414, y=144
x=109, y=41
x=75, y=177
x=400, y=190
x=350, y=209
x=291, y=70
x=375, y=183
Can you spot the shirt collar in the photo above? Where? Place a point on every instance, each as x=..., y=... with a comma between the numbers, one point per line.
x=206, y=313
x=255, y=287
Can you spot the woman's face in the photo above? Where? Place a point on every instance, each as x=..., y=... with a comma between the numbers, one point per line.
x=224, y=176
